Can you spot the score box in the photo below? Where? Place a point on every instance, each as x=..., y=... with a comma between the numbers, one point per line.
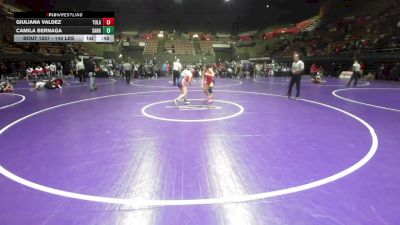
x=108, y=21
x=89, y=38
x=105, y=38
x=108, y=30
x=63, y=38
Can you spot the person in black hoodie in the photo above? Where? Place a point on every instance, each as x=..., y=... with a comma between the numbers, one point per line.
x=90, y=68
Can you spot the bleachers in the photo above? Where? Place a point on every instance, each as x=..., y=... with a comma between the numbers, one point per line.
x=375, y=8
x=180, y=47
x=206, y=47
x=6, y=37
x=49, y=48
x=315, y=25
x=151, y=47
x=372, y=29
x=294, y=47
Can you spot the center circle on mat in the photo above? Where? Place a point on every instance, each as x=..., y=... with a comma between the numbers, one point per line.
x=195, y=85
x=201, y=201
x=188, y=113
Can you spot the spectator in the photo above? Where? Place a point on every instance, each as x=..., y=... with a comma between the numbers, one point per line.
x=53, y=69
x=60, y=69
x=47, y=69
x=164, y=68
x=176, y=70
x=356, y=73
x=80, y=71
x=72, y=68
x=90, y=68
x=128, y=71
x=313, y=69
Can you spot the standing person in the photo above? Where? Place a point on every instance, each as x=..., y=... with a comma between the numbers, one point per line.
x=164, y=69
x=80, y=71
x=3, y=71
x=120, y=70
x=60, y=69
x=168, y=69
x=135, y=70
x=140, y=71
x=184, y=79
x=208, y=83
x=127, y=70
x=47, y=70
x=91, y=71
x=72, y=68
x=53, y=69
x=363, y=67
x=176, y=69
x=356, y=73
x=146, y=70
x=297, y=72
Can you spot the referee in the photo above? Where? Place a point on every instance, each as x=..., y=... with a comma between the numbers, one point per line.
x=297, y=72
x=176, y=71
x=90, y=68
x=127, y=70
x=80, y=70
x=356, y=73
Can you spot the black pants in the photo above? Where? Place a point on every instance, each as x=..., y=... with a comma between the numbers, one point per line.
x=355, y=76
x=294, y=80
x=175, y=76
x=81, y=75
x=128, y=76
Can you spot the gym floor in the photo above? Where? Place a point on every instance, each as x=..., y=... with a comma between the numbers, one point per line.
x=125, y=154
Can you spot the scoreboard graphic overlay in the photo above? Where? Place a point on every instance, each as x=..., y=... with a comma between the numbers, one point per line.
x=64, y=27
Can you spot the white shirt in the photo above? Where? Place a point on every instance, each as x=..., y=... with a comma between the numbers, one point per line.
x=177, y=66
x=298, y=67
x=52, y=67
x=186, y=73
x=40, y=85
x=356, y=67
x=29, y=70
x=127, y=66
x=80, y=66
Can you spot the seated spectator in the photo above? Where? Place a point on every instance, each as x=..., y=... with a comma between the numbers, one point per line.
x=313, y=70
x=369, y=76
x=39, y=71
x=47, y=69
x=30, y=73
